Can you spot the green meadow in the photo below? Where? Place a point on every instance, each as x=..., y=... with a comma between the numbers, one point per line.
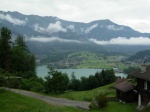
x=90, y=94
x=13, y=102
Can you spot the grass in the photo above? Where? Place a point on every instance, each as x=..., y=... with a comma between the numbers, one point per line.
x=114, y=106
x=88, y=95
x=12, y=102
x=147, y=109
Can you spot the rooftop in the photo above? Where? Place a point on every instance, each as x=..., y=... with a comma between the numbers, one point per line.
x=142, y=75
x=124, y=86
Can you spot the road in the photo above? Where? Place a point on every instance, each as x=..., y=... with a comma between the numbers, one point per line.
x=53, y=100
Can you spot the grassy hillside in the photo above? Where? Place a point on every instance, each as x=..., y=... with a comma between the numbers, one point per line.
x=113, y=106
x=88, y=95
x=12, y=102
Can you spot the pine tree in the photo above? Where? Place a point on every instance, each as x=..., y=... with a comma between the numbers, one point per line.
x=5, y=49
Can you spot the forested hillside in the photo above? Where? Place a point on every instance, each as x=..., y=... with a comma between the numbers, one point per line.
x=141, y=56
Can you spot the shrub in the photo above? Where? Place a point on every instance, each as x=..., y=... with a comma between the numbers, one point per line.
x=100, y=101
x=93, y=106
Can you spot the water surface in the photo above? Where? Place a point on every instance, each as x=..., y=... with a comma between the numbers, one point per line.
x=42, y=71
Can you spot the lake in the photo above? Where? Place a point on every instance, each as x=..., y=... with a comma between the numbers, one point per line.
x=42, y=71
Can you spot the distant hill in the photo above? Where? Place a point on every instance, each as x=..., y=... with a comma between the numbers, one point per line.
x=46, y=34
x=141, y=56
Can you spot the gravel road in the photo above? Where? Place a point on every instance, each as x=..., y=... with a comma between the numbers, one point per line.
x=53, y=100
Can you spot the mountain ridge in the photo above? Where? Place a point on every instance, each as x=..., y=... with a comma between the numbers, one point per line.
x=98, y=29
x=50, y=29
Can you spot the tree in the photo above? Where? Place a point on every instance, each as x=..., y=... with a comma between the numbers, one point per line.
x=100, y=77
x=84, y=83
x=92, y=82
x=22, y=61
x=16, y=60
x=56, y=82
x=110, y=76
x=20, y=42
x=5, y=49
x=75, y=84
x=105, y=77
x=130, y=69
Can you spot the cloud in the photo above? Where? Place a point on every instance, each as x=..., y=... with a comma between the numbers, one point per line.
x=52, y=28
x=71, y=27
x=112, y=27
x=124, y=41
x=39, y=29
x=91, y=28
x=52, y=39
x=12, y=20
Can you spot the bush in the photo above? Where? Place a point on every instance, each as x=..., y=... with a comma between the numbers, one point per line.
x=32, y=84
x=93, y=106
x=100, y=101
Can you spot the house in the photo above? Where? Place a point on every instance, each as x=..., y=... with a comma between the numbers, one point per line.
x=124, y=92
x=142, y=88
x=128, y=92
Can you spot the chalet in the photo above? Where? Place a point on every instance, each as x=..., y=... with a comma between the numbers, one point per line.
x=142, y=88
x=124, y=91
x=127, y=92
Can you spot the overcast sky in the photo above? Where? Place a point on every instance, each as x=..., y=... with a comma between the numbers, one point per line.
x=133, y=13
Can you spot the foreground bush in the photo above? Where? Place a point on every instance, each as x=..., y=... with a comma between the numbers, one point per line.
x=100, y=101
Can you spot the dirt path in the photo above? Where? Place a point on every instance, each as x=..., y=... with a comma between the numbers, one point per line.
x=53, y=100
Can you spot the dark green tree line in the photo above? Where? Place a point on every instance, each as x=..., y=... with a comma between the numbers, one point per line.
x=15, y=57
x=86, y=83
x=17, y=61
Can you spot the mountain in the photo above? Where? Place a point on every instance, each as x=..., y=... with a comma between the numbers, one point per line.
x=44, y=33
x=140, y=56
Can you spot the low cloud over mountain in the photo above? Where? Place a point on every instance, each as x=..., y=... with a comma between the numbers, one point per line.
x=123, y=41
x=13, y=20
x=51, y=39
